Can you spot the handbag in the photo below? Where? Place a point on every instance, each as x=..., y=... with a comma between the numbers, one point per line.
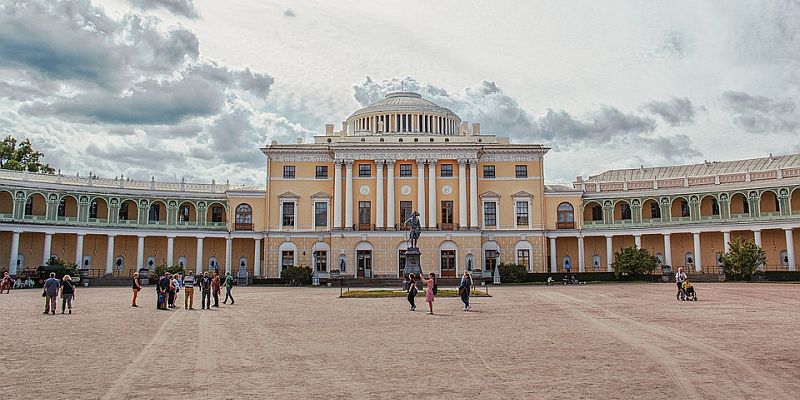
x=462, y=291
x=44, y=292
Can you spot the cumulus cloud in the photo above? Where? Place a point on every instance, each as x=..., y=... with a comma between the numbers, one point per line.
x=178, y=7
x=675, y=111
x=761, y=114
x=289, y=13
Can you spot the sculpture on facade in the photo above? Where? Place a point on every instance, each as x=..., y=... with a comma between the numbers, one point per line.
x=415, y=228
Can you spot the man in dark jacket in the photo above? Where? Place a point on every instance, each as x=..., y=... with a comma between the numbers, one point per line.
x=205, y=291
x=162, y=288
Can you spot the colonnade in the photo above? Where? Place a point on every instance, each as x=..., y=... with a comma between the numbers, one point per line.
x=406, y=122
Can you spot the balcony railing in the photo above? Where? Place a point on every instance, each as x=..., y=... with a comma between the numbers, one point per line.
x=364, y=227
x=447, y=226
x=243, y=226
x=565, y=225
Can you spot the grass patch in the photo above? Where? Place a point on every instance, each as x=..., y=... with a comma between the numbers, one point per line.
x=384, y=293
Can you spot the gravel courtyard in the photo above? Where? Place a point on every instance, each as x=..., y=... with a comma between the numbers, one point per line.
x=604, y=341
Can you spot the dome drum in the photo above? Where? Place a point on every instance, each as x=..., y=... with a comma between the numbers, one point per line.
x=403, y=112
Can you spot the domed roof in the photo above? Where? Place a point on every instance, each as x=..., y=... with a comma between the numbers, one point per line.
x=404, y=102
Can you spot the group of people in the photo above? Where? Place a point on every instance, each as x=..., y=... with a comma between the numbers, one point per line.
x=169, y=286
x=431, y=289
x=685, y=288
x=52, y=287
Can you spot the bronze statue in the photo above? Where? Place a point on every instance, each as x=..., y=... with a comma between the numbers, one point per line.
x=415, y=228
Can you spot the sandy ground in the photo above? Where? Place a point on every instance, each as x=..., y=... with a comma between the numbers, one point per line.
x=604, y=341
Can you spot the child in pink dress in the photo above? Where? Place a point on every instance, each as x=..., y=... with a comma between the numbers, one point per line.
x=430, y=290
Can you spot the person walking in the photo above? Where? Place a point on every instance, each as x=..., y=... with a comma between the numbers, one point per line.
x=205, y=291
x=215, y=288
x=430, y=290
x=67, y=293
x=680, y=277
x=51, y=286
x=188, y=291
x=228, y=287
x=412, y=291
x=136, y=288
x=464, y=289
x=5, y=283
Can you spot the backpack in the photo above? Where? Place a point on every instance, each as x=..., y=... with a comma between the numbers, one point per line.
x=435, y=288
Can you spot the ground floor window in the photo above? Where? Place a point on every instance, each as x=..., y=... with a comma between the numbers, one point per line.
x=364, y=263
x=321, y=261
x=524, y=258
x=448, y=263
x=287, y=259
x=490, y=260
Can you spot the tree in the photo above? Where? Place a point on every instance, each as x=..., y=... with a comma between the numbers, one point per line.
x=21, y=156
x=633, y=261
x=743, y=259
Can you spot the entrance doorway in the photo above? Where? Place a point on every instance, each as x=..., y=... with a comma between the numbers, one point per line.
x=364, y=263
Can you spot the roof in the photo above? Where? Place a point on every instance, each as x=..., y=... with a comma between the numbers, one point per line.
x=404, y=101
x=705, y=169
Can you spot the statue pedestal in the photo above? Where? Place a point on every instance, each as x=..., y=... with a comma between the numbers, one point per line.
x=412, y=266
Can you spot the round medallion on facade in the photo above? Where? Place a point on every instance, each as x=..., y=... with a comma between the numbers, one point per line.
x=405, y=190
x=364, y=190
x=447, y=189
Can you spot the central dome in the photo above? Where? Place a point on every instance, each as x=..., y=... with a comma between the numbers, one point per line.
x=403, y=112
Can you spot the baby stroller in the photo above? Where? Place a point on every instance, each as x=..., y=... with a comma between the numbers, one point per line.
x=687, y=292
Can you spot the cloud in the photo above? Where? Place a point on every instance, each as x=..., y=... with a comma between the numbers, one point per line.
x=760, y=114
x=676, y=148
x=289, y=13
x=675, y=111
x=178, y=7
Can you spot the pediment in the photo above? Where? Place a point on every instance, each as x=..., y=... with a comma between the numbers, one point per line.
x=522, y=193
x=489, y=194
x=320, y=195
x=288, y=195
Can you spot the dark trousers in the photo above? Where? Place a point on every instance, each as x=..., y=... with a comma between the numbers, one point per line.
x=171, y=298
x=228, y=295
x=66, y=302
x=205, y=299
x=216, y=298
x=465, y=299
x=411, y=296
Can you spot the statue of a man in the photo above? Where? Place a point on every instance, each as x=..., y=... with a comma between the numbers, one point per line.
x=415, y=228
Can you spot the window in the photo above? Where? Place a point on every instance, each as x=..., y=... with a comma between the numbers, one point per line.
x=93, y=209
x=488, y=171
x=216, y=214
x=287, y=209
x=566, y=216
x=448, y=263
x=155, y=212
x=521, y=171
x=447, y=170
x=287, y=259
x=29, y=206
x=522, y=213
x=655, y=210
x=401, y=262
x=123, y=211
x=490, y=260
x=321, y=260
x=364, y=214
x=62, y=207
x=244, y=214
x=715, y=207
x=597, y=213
x=320, y=214
x=684, y=208
x=364, y=170
x=183, y=214
x=745, y=206
x=524, y=258
x=447, y=214
x=490, y=213
x=625, y=211
x=322, y=172
x=405, y=211
x=288, y=172
x=405, y=170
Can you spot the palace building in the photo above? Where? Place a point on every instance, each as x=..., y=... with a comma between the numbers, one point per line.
x=340, y=202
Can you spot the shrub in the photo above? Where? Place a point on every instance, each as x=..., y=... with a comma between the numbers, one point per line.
x=634, y=262
x=164, y=268
x=296, y=275
x=512, y=273
x=743, y=259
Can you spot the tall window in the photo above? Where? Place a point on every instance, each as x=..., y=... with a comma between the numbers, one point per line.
x=364, y=170
x=320, y=214
x=490, y=213
x=597, y=213
x=405, y=211
x=364, y=213
x=488, y=171
x=684, y=208
x=123, y=211
x=183, y=214
x=566, y=216
x=522, y=213
x=625, y=211
x=321, y=172
x=216, y=213
x=448, y=262
x=655, y=210
x=447, y=170
x=244, y=214
x=93, y=209
x=62, y=207
x=155, y=211
x=287, y=259
x=715, y=207
x=490, y=259
x=288, y=172
x=405, y=170
x=447, y=214
x=521, y=171
x=29, y=206
x=745, y=206
x=321, y=260
x=524, y=258
x=288, y=214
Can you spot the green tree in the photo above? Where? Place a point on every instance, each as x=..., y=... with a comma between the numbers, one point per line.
x=633, y=262
x=743, y=259
x=21, y=156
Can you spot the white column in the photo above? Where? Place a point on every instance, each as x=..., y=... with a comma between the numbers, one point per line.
x=637, y=239
x=726, y=238
x=170, y=250
x=79, y=250
x=667, y=250
x=473, y=194
x=553, y=264
x=698, y=264
x=432, y=206
x=12, y=263
x=609, y=253
x=581, y=261
x=379, y=196
x=110, y=254
x=337, y=194
x=140, y=253
x=198, y=265
x=757, y=239
x=228, y=251
x=390, y=194
x=348, y=191
x=421, y=191
x=257, y=258
x=790, y=248
x=462, y=194
x=48, y=245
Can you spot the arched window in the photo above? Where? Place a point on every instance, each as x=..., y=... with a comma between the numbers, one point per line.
x=154, y=212
x=183, y=214
x=596, y=262
x=566, y=216
x=625, y=211
x=123, y=211
x=62, y=207
x=689, y=259
x=93, y=209
x=659, y=259
x=684, y=208
x=244, y=214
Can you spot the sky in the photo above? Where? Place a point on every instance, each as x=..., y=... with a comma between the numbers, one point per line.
x=192, y=89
